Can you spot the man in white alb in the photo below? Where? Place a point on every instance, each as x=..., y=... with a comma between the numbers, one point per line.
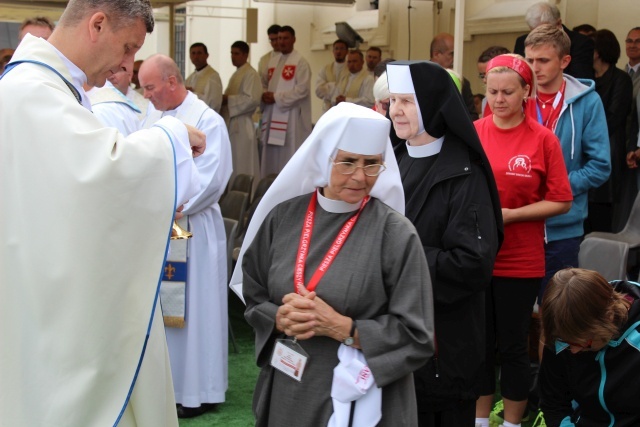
x=117, y=105
x=357, y=86
x=204, y=81
x=286, y=105
x=239, y=102
x=331, y=73
x=82, y=337
x=198, y=351
x=263, y=64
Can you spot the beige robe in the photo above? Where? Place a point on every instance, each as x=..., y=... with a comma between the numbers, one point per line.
x=243, y=97
x=356, y=87
x=328, y=76
x=207, y=85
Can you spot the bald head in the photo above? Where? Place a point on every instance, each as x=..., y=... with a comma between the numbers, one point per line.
x=442, y=50
x=162, y=82
x=166, y=66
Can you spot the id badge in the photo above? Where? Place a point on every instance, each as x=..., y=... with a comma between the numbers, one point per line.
x=289, y=358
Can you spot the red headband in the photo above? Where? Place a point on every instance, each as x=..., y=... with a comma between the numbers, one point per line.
x=514, y=63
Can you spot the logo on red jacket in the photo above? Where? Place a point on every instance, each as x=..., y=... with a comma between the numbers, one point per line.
x=288, y=72
x=270, y=72
x=520, y=164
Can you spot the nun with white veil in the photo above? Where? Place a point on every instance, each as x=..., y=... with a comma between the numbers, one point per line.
x=336, y=283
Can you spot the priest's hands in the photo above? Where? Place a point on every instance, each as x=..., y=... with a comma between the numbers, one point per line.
x=197, y=140
x=307, y=315
x=179, y=213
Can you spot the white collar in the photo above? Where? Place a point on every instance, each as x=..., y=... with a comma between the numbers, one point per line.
x=336, y=206
x=634, y=68
x=427, y=150
x=78, y=77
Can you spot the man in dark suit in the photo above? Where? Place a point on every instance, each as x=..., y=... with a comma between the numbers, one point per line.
x=581, y=65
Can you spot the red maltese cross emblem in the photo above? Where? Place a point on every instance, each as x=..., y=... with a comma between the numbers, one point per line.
x=288, y=72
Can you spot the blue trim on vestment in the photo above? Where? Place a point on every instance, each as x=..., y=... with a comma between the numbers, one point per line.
x=74, y=90
x=157, y=294
x=125, y=100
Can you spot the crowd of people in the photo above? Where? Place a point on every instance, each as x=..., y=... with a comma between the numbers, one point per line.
x=435, y=226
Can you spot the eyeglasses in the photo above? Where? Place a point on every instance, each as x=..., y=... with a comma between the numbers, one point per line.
x=632, y=41
x=585, y=346
x=349, y=168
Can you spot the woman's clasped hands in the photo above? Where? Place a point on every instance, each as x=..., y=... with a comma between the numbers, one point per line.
x=306, y=315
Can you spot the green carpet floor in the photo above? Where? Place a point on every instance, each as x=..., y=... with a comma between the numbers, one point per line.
x=236, y=411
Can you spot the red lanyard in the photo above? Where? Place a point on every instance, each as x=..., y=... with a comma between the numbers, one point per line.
x=305, y=240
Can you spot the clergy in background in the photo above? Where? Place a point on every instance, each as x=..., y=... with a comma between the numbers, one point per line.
x=286, y=105
x=356, y=86
x=118, y=105
x=198, y=352
x=332, y=73
x=239, y=102
x=204, y=81
x=86, y=223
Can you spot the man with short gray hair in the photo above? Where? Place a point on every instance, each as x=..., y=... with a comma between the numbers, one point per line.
x=91, y=213
x=198, y=347
x=581, y=53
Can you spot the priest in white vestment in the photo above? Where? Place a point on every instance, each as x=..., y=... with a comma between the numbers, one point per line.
x=239, y=102
x=85, y=226
x=198, y=352
x=117, y=105
x=286, y=105
x=263, y=63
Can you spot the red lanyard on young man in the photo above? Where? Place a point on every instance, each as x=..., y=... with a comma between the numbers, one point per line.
x=305, y=240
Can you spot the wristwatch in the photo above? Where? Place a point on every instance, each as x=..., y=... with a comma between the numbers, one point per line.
x=350, y=339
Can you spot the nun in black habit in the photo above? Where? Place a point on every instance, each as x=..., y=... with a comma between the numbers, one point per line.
x=452, y=199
